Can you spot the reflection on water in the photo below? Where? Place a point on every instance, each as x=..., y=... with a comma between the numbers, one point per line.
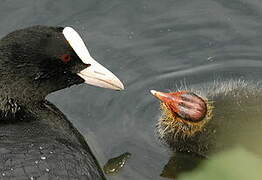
x=114, y=165
x=149, y=44
x=180, y=163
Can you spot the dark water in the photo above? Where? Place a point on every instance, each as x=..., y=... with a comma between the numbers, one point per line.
x=149, y=44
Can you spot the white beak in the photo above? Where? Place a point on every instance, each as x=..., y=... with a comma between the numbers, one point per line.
x=95, y=74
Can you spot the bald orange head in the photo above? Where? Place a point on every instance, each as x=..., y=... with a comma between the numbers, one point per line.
x=186, y=105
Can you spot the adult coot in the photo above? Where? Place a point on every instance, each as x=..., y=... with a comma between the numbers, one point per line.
x=36, y=140
x=214, y=117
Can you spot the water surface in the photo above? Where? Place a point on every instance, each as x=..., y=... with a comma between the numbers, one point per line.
x=149, y=44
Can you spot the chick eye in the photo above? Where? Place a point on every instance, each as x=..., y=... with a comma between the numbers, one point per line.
x=65, y=58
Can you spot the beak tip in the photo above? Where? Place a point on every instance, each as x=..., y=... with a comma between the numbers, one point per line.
x=121, y=87
x=118, y=85
x=153, y=92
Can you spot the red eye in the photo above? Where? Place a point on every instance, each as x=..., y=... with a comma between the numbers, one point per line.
x=65, y=58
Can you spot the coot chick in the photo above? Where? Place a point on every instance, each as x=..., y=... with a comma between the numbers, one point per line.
x=211, y=118
x=37, y=140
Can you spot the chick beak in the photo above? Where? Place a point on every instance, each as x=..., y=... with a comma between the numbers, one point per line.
x=95, y=74
x=164, y=97
x=170, y=100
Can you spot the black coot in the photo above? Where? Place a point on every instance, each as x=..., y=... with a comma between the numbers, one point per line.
x=36, y=139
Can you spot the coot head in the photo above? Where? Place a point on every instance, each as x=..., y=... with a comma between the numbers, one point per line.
x=39, y=60
x=183, y=113
x=33, y=63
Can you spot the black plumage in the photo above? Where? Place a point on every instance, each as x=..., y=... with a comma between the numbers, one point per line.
x=36, y=139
